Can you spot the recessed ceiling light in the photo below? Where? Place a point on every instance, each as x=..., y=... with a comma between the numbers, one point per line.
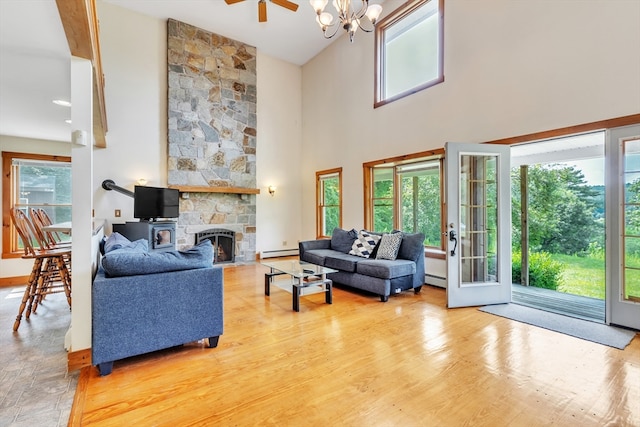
x=68, y=121
x=62, y=102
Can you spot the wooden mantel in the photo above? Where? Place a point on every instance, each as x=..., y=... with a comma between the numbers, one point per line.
x=204, y=189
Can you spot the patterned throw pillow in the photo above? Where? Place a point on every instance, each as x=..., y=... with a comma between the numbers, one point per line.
x=364, y=244
x=389, y=246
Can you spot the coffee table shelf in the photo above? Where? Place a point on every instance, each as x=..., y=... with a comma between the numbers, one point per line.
x=304, y=279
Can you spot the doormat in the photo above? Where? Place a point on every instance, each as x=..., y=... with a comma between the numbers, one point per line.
x=590, y=331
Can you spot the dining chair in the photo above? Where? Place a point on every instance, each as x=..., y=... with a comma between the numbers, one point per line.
x=49, y=273
x=48, y=240
x=41, y=219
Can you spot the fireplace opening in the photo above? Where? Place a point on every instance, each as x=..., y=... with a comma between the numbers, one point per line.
x=224, y=243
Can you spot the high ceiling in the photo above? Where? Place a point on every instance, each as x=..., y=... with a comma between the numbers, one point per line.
x=34, y=55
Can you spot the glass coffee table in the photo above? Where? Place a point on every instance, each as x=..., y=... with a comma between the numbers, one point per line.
x=304, y=279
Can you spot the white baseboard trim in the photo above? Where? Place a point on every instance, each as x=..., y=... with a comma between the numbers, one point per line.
x=279, y=253
x=430, y=279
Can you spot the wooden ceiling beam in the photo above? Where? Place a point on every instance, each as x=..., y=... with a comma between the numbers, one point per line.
x=80, y=22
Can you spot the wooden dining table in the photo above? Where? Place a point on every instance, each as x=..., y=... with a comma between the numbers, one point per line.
x=59, y=227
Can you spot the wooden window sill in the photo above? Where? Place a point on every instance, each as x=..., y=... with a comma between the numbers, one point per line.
x=434, y=253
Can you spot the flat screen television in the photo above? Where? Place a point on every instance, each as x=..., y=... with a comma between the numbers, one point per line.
x=153, y=202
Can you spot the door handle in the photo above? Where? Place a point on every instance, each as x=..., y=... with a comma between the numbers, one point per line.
x=453, y=238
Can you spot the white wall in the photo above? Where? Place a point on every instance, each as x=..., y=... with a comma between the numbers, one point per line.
x=12, y=267
x=511, y=68
x=278, y=156
x=134, y=52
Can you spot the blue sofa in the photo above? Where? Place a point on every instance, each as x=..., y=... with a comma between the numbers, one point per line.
x=135, y=314
x=383, y=277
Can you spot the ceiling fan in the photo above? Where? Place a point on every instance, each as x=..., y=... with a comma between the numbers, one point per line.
x=262, y=7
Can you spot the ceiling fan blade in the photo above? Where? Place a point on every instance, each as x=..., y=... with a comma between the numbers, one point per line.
x=232, y=1
x=286, y=3
x=262, y=11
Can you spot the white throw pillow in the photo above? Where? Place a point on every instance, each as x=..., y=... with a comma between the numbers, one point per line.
x=364, y=244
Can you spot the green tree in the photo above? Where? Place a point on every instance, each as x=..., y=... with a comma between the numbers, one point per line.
x=56, y=179
x=383, y=205
x=562, y=210
x=332, y=203
x=421, y=206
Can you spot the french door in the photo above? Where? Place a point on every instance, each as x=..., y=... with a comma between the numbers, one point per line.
x=623, y=226
x=478, y=199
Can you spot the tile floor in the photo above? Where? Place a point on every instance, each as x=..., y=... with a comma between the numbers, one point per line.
x=35, y=387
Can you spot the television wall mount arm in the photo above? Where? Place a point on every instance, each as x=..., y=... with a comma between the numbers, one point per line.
x=108, y=184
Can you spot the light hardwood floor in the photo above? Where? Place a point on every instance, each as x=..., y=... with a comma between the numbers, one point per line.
x=360, y=362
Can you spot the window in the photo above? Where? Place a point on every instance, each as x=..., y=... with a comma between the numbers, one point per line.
x=420, y=200
x=33, y=181
x=329, y=201
x=406, y=195
x=409, y=50
x=383, y=211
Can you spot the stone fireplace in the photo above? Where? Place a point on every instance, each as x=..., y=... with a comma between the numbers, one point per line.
x=212, y=134
x=224, y=244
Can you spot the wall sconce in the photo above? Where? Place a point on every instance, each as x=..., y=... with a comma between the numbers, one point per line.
x=142, y=181
x=272, y=190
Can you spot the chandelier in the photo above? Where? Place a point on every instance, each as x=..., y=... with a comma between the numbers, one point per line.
x=350, y=20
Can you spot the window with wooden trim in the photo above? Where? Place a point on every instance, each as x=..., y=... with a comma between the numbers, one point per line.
x=409, y=50
x=406, y=195
x=383, y=197
x=328, y=201
x=33, y=181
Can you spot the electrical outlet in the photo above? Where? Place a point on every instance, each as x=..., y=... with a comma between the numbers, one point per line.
x=118, y=213
x=284, y=243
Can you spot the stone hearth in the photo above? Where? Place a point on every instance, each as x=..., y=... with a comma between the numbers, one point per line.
x=212, y=132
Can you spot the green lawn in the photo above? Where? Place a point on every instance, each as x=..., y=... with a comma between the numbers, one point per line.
x=585, y=276
x=582, y=275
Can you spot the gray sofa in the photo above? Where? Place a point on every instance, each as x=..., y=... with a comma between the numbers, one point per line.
x=383, y=277
x=135, y=314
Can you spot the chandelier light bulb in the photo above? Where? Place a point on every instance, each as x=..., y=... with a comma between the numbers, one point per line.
x=348, y=19
x=373, y=12
x=325, y=19
x=318, y=5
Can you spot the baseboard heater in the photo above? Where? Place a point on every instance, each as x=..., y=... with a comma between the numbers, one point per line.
x=279, y=253
x=430, y=279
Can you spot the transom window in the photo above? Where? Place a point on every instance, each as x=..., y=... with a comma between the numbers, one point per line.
x=329, y=201
x=409, y=50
